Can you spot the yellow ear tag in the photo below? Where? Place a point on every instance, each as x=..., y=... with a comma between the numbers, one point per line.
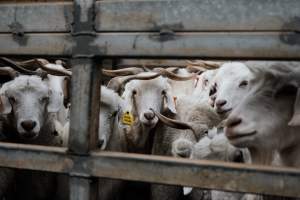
x=127, y=118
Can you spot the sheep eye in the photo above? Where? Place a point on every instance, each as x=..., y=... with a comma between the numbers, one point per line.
x=243, y=84
x=163, y=92
x=213, y=90
x=44, y=99
x=205, y=82
x=134, y=92
x=206, y=133
x=12, y=99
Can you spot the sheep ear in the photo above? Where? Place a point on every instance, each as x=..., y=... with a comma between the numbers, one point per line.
x=5, y=106
x=295, y=121
x=170, y=103
x=55, y=101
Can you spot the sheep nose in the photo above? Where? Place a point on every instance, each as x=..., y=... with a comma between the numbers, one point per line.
x=149, y=115
x=220, y=103
x=28, y=125
x=233, y=121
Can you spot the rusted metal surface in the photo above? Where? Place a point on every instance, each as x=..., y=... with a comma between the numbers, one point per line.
x=198, y=15
x=157, y=169
x=264, y=45
x=35, y=17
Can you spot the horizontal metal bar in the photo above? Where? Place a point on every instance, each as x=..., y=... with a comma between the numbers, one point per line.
x=155, y=15
x=157, y=169
x=197, y=15
x=247, y=45
x=36, y=17
x=57, y=44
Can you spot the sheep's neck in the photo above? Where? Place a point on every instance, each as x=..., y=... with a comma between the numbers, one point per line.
x=261, y=156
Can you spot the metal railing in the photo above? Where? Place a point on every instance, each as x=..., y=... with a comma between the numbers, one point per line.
x=88, y=31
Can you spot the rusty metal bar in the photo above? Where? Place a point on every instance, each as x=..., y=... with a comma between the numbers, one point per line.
x=264, y=45
x=157, y=169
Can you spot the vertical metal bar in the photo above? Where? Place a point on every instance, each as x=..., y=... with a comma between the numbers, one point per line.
x=85, y=97
x=82, y=188
x=85, y=105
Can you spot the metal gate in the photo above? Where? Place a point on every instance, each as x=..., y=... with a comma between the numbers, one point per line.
x=89, y=31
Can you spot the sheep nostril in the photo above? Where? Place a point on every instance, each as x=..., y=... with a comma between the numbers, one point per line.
x=220, y=103
x=28, y=125
x=149, y=115
x=238, y=157
x=100, y=143
x=233, y=121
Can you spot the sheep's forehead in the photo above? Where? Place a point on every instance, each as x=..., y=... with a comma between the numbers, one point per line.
x=27, y=84
x=153, y=84
x=209, y=74
x=233, y=71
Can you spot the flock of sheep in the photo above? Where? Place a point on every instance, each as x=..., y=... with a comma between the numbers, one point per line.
x=247, y=112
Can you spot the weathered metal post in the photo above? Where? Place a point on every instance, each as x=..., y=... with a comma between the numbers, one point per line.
x=85, y=97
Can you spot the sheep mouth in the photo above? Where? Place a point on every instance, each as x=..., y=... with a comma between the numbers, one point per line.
x=223, y=112
x=29, y=135
x=240, y=135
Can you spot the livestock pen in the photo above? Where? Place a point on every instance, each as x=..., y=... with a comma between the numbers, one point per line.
x=88, y=32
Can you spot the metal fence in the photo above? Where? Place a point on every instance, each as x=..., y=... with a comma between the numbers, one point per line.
x=89, y=31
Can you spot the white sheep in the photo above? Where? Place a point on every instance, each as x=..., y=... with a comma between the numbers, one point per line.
x=231, y=83
x=261, y=120
x=28, y=110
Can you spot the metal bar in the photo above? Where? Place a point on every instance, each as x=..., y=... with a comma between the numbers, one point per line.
x=247, y=45
x=36, y=44
x=157, y=169
x=204, y=45
x=85, y=86
x=19, y=18
x=156, y=15
x=85, y=99
x=80, y=189
x=198, y=15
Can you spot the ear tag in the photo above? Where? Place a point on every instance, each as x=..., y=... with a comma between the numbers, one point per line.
x=127, y=118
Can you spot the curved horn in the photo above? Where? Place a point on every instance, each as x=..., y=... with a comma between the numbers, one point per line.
x=116, y=83
x=16, y=66
x=196, y=69
x=205, y=64
x=53, y=71
x=173, y=76
x=122, y=72
x=174, y=123
x=8, y=71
